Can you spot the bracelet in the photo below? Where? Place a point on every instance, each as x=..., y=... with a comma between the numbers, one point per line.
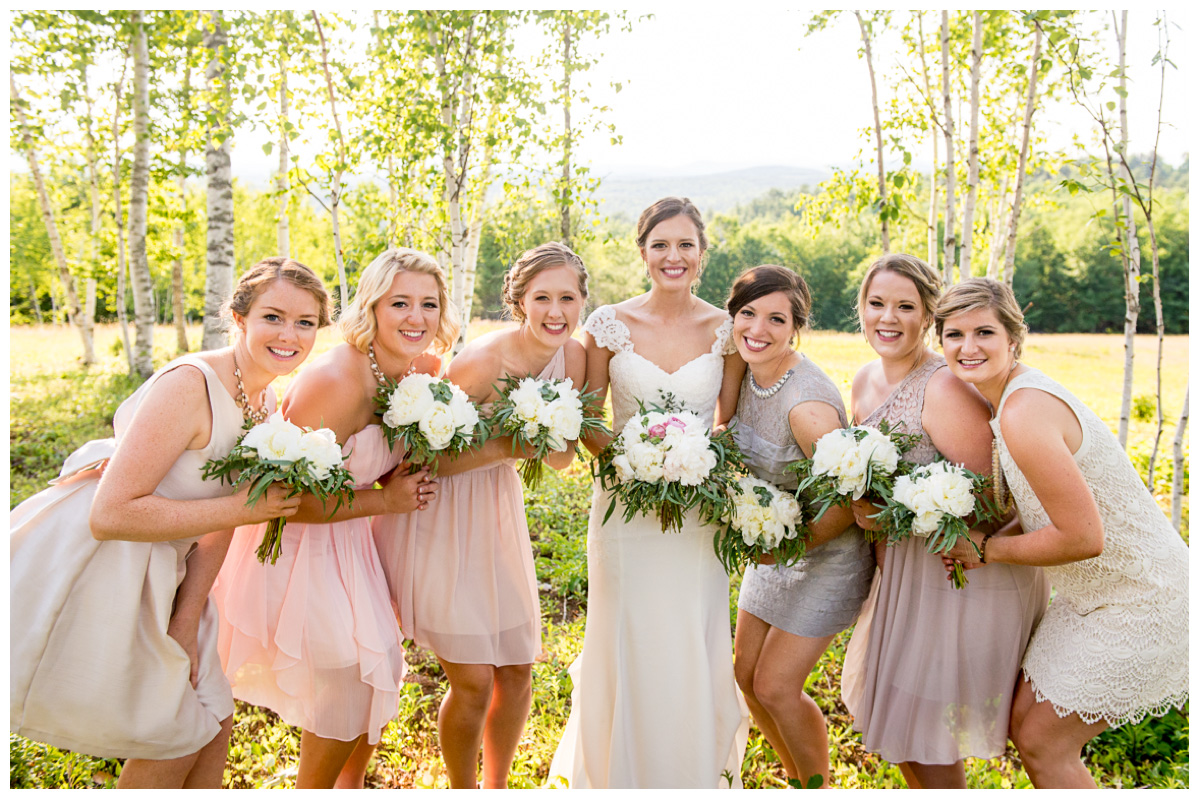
x=983, y=548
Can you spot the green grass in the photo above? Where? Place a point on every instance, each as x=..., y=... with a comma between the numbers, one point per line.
x=56, y=406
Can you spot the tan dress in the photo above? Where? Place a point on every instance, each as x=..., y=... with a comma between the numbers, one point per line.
x=92, y=668
x=461, y=571
x=930, y=671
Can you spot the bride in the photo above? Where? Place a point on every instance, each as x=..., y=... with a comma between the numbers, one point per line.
x=654, y=703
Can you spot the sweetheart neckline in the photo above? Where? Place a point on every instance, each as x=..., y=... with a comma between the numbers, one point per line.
x=671, y=373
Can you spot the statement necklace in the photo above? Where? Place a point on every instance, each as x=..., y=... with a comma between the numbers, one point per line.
x=243, y=402
x=380, y=378
x=763, y=394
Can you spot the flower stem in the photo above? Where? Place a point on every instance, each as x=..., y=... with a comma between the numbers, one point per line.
x=272, y=543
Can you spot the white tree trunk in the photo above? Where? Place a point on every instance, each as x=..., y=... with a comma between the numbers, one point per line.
x=565, y=214
x=74, y=314
x=883, y=198
x=948, y=234
x=999, y=230
x=281, y=180
x=336, y=192
x=177, y=308
x=931, y=237
x=218, y=277
x=1014, y=217
x=1177, y=475
x=139, y=197
x=119, y=216
x=1133, y=262
x=968, y=228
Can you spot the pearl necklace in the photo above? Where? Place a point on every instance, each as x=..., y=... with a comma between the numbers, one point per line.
x=763, y=394
x=380, y=378
x=243, y=402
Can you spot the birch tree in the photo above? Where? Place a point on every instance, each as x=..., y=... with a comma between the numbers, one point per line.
x=139, y=266
x=1177, y=474
x=218, y=275
x=964, y=264
x=948, y=231
x=865, y=32
x=335, y=163
x=1014, y=215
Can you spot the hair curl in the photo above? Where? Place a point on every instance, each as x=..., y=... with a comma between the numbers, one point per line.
x=923, y=276
x=357, y=322
x=976, y=293
x=531, y=263
x=259, y=278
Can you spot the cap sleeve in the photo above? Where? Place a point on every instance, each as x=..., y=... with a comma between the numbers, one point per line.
x=607, y=330
x=724, y=344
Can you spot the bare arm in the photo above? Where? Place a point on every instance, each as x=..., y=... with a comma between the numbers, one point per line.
x=175, y=416
x=809, y=422
x=576, y=372
x=1042, y=433
x=731, y=386
x=597, y=381
x=202, y=568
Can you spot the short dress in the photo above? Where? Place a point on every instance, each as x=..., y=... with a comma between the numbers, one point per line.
x=931, y=670
x=92, y=668
x=820, y=594
x=461, y=570
x=1114, y=644
x=312, y=637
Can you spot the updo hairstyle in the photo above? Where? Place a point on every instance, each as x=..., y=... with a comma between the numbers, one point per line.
x=531, y=263
x=259, y=278
x=923, y=276
x=976, y=293
x=358, y=323
x=761, y=281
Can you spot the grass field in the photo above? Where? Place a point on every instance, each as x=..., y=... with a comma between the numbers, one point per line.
x=55, y=406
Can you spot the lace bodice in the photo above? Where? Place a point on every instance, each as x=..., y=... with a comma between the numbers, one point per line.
x=761, y=427
x=632, y=378
x=902, y=409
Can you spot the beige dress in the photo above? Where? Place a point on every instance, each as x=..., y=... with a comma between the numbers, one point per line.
x=92, y=668
x=1114, y=644
x=931, y=670
x=461, y=571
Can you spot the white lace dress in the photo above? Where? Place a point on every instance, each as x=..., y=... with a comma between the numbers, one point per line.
x=654, y=703
x=1114, y=643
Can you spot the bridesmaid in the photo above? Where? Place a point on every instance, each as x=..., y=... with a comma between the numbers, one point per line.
x=1114, y=645
x=114, y=648
x=312, y=637
x=461, y=572
x=930, y=672
x=788, y=616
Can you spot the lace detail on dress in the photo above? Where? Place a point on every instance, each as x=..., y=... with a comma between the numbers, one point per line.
x=608, y=331
x=903, y=407
x=1124, y=611
x=725, y=345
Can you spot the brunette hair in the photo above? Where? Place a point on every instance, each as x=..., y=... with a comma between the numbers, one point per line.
x=259, y=278
x=358, y=323
x=923, y=276
x=533, y=261
x=975, y=293
x=757, y=282
x=665, y=209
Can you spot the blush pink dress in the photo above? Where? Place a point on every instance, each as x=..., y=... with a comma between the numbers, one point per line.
x=461, y=570
x=312, y=637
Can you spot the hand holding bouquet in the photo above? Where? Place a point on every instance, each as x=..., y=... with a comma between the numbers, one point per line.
x=428, y=415
x=934, y=502
x=850, y=462
x=542, y=416
x=667, y=462
x=276, y=451
x=763, y=520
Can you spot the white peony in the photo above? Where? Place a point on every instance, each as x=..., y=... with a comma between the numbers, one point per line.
x=466, y=415
x=275, y=440
x=646, y=461
x=829, y=451
x=409, y=401
x=624, y=470
x=689, y=459
x=564, y=418
x=323, y=452
x=437, y=425
x=527, y=399
x=883, y=454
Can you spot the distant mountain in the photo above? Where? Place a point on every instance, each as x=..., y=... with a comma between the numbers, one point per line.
x=712, y=193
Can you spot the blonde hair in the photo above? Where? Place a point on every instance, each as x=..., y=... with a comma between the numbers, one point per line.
x=923, y=276
x=259, y=278
x=976, y=293
x=530, y=264
x=357, y=322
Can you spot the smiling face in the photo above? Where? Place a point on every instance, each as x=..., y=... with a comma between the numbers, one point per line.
x=978, y=348
x=279, y=329
x=552, y=305
x=894, y=319
x=407, y=315
x=672, y=253
x=763, y=329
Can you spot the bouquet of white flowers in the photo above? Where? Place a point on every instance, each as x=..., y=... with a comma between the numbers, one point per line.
x=429, y=415
x=542, y=416
x=276, y=451
x=763, y=520
x=850, y=462
x=934, y=501
x=666, y=460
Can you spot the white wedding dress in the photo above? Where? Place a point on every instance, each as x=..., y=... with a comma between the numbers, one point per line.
x=654, y=702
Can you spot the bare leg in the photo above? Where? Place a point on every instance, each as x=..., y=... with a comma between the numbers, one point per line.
x=783, y=665
x=934, y=776
x=204, y=769
x=512, y=695
x=322, y=760
x=354, y=774
x=748, y=640
x=461, y=720
x=1050, y=745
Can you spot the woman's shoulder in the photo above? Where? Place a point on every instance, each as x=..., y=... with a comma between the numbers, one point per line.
x=946, y=392
x=481, y=359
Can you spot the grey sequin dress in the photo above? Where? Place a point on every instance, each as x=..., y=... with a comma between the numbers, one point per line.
x=822, y=593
